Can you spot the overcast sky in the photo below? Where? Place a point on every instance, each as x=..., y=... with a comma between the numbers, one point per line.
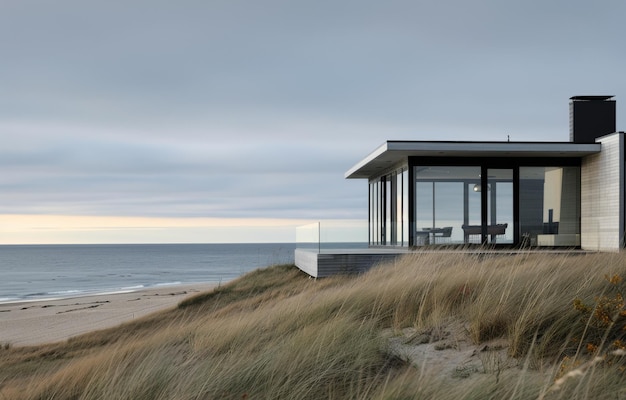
x=172, y=120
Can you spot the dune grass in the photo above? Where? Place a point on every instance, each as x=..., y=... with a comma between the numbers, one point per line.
x=277, y=334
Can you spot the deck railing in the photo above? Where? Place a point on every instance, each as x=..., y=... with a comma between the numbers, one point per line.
x=329, y=235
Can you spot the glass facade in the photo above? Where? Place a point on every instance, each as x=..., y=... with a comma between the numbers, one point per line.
x=447, y=204
x=500, y=205
x=550, y=206
x=388, y=217
x=374, y=217
x=475, y=204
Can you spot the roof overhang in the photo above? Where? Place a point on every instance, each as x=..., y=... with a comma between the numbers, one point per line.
x=393, y=152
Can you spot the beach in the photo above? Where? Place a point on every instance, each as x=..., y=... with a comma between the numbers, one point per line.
x=47, y=321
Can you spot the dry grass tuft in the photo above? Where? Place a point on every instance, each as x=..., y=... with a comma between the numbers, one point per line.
x=275, y=333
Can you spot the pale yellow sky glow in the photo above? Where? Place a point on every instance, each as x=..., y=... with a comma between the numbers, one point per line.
x=62, y=229
x=68, y=229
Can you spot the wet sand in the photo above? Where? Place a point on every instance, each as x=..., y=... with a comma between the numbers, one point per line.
x=39, y=322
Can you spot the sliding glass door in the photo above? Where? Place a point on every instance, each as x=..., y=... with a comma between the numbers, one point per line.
x=492, y=204
x=499, y=206
x=445, y=203
x=463, y=204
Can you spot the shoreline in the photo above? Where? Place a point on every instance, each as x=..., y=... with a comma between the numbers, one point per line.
x=76, y=294
x=42, y=321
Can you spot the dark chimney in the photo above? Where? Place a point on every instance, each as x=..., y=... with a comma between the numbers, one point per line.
x=590, y=117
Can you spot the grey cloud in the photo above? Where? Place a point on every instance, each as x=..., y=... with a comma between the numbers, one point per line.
x=239, y=108
x=96, y=175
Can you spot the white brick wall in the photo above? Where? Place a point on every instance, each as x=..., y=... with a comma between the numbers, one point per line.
x=600, y=177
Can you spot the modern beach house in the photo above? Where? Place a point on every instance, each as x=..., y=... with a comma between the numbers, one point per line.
x=502, y=194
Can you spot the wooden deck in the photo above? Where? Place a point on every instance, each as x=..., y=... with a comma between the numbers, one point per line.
x=320, y=264
x=342, y=261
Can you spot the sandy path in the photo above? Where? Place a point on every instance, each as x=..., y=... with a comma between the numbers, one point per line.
x=48, y=321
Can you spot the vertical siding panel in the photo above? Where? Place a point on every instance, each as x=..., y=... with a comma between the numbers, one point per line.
x=601, y=214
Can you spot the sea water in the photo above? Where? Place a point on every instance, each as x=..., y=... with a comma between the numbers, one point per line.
x=35, y=272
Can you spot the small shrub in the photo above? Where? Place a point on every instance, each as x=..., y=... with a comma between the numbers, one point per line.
x=603, y=341
x=605, y=319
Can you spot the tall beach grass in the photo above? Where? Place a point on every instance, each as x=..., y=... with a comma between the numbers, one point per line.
x=277, y=334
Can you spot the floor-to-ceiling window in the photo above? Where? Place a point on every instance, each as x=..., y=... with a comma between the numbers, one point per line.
x=550, y=206
x=497, y=204
x=388, y=214
x=447, y=204
x=374, y=217
x=404, y=177
x=500, y=205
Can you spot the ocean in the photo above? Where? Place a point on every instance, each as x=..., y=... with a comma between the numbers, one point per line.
x=37, y=272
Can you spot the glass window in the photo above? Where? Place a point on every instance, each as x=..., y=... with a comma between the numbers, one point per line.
x=500, y=206
x=374, y=213
x=445, y=203
x=405, y=209
x=377, y=221
x=388, y=210
x=398, y=200
x=550, y=206
x=473, y=199
x=387, y=239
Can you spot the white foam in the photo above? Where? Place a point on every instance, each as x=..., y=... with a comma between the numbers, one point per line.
x=133, y=288
x=64, y=293
x=8, y=299
x=29, y=300
x=168, y=284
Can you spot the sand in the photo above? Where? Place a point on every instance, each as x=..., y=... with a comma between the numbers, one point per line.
x=39, y=322
x=448, y=351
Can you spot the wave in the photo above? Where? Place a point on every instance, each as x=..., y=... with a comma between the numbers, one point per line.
x=73, y=293
x=45, y=271
x=133, y=288
x=70, y=294
x=167, y=284
x=46, y=296
x=8, y=299
x=64, y=293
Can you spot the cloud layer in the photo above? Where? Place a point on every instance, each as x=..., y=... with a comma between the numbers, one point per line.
x=241, y=109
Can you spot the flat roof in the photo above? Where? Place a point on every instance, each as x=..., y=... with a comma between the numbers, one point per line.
x=394, y=151
x=591, y=98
